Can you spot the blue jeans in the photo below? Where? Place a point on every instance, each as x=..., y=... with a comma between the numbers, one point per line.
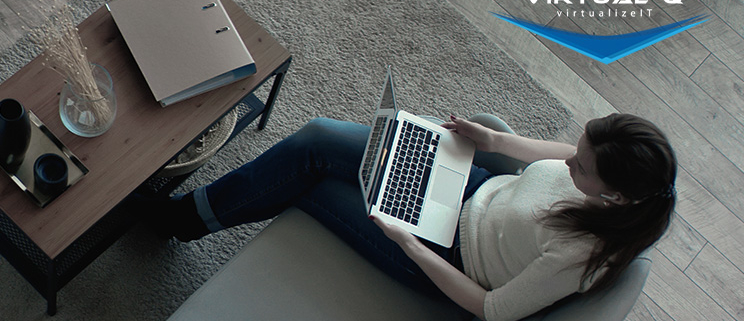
x=315, y=169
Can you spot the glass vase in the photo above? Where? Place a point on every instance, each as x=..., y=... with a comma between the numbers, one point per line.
x=87, y=110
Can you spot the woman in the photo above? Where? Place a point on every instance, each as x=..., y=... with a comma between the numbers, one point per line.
x=571, y=222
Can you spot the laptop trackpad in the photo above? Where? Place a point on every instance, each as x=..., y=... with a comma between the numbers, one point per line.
x=446, y=187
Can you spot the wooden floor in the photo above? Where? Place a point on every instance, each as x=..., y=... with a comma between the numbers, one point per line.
x=690, y=85
x=17, y=17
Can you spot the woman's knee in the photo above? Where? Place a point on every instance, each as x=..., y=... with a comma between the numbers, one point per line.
x=319, y=127
x=332, y=133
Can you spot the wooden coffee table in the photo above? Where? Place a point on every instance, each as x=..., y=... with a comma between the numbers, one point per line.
x=50, y=246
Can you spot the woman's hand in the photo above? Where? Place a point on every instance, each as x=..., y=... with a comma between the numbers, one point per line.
x=456, y=285
x=521, y=148
x=397, y=234
x=481, y=135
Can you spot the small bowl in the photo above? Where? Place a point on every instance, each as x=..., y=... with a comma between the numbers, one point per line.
x=50, y=174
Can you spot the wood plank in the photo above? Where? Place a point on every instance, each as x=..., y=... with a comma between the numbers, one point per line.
x=9, y=28
x=33, y=14
x=536, y=59
x=673, y=87
x=571, y=134
x=689, y=101
x=19, y=17
x=715, y=34
x=646, y=309
x=676, y=294
x=540, y=12
x=610, y=24
x=710, y=218
x=713, y=273
x=681, y=243
x=12, y=24
x=616, y=85
x=722, y=85
x=621, y=88
x=729, y=11
x=696, y=204
x=683, y=50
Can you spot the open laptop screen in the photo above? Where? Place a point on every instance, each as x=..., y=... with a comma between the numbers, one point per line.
x=385, y=112
x=388, y=97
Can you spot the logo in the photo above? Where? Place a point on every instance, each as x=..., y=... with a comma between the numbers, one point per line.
x=606, y=49
x=607, y=1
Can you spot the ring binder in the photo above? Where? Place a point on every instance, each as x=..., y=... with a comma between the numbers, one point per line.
x=174, y=46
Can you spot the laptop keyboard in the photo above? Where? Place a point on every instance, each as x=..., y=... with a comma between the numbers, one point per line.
x=372, y=152
x=408, y=178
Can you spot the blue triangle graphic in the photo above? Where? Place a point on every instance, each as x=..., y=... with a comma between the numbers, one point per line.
x=606, y=49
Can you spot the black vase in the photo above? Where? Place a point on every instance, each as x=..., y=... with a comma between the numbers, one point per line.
x=15, y=134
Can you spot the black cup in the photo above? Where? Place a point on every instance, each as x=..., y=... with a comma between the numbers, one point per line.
x=50, y=174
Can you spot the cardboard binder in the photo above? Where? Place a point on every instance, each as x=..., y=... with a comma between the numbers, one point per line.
x=183, y=47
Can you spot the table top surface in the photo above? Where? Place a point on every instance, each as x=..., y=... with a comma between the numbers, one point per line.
x=143, y=138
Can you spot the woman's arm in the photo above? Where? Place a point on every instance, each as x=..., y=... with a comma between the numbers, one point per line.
x=456, y=285
x=521, y=148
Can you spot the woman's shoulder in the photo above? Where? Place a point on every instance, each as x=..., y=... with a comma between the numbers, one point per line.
x=547, y=170
x=551, y=176
x=548, y=164
x=573, y=246
x=576, y=251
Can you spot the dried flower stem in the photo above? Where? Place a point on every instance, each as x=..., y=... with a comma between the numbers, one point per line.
x=65, y=53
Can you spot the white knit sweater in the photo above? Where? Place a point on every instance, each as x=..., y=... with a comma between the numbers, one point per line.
x=524, y=265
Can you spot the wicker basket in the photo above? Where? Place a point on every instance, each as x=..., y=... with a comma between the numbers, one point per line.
x=199, y=152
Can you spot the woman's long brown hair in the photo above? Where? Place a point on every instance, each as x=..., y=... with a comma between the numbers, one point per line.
x=633, y=157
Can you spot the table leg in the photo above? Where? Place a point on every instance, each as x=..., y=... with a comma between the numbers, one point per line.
x=281, y=71
x=51, y=295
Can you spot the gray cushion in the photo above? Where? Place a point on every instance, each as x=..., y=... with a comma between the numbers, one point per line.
x=610, y=304
x=297, y=270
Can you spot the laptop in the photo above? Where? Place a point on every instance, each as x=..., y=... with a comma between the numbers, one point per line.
x=414, y=172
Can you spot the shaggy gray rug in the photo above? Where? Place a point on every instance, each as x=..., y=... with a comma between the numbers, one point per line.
x=443, y=65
